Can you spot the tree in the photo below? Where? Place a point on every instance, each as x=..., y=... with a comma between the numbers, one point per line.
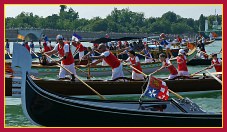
x=123, y=20
x=202, y=22
x=63, y=7
x=170, y=16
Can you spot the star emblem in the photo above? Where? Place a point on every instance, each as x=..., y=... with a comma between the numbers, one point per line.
x=152, y=93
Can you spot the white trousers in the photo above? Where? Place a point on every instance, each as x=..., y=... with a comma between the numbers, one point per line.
x=63, y=72
x=81, y=54
x=183, y=73
x=148, y=60
x=117, y=72
x=172, y=76
x=137, y=76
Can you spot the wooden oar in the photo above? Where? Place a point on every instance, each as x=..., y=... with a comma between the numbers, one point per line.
x=143, y=55
x=35, y=54
x=214, y=73
x=102, y=97
x=9, y=56
x=55, y=55
x=176, y=94
x=84, y=72
x=75, y=53
x=220, y=81
x=89, y=69
x=201, y=70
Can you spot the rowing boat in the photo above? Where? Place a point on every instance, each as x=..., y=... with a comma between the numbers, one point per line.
x=46, y=108
x=118, y=86
x=106, y=70
x=206, y=43
x=195, y=62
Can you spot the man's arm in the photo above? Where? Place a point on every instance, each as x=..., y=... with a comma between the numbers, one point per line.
x=51, y=52
x=98, y=57
x=95, y=63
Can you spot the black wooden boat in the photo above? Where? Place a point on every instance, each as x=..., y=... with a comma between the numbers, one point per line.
x=46, y=108
x=121, y=85
x=195, y=62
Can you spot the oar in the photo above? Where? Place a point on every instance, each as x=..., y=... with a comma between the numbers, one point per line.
x=89, y=69
x=143, y=55
x=220, y=81
x=214, y=73
x=84, y=72
x=97, y=52
x=102, y=97
x=201, y=71
x=9, y=56
x=55, y=55
x=75, y=53
x=35, y=54
x=176, y=94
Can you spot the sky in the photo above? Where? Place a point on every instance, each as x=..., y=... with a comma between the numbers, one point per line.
x=90, y=11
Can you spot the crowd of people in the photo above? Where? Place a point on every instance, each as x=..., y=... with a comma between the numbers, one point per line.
x=66, y=57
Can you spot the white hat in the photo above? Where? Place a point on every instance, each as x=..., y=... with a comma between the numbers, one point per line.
x=75, y=39
x=181, y=52
x=59, y=37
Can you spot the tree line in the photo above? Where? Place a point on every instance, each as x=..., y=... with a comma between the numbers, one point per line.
x=123, y=21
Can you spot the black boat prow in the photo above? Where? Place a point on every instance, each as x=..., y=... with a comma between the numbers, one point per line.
x=46, y=108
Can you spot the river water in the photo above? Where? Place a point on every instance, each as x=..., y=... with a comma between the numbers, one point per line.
x=210, y=101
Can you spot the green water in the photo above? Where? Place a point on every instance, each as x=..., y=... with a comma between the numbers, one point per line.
x=210, y=101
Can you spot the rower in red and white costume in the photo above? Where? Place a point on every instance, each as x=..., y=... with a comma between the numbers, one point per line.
x=66, y=57
x=46, y=49
x=167, y=64
x=217, y=64
x=79, y=47
x=135, y=62
x=110, y=59
x=182, y=63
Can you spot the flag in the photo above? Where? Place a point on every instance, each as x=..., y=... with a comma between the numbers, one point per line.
x=19, y=36
x=76, y=37
x=157, y=88
x=46, y=39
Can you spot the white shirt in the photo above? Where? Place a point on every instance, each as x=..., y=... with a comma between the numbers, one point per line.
x=106, y=53
x=137, y=59
x=203, y=40
x=66, y=48
x=219, y=60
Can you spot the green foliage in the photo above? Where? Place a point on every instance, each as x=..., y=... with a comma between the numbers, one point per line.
x=122, y=20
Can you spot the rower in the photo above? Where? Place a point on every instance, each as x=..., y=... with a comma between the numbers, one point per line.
x=147, y=53
x=27, y=47
x=45, y=60
x=135, y=62
x=7, y=47
x=182, y=63
x=79, y=48
x=167, y=64
x=67, y=60
x=202, y=43
x=31, y=47
x=119, y=45
x=167, y=45
x=110, y=59
x=90, y=54
x=126, y=49
x=179, y=39
x=217, y=64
